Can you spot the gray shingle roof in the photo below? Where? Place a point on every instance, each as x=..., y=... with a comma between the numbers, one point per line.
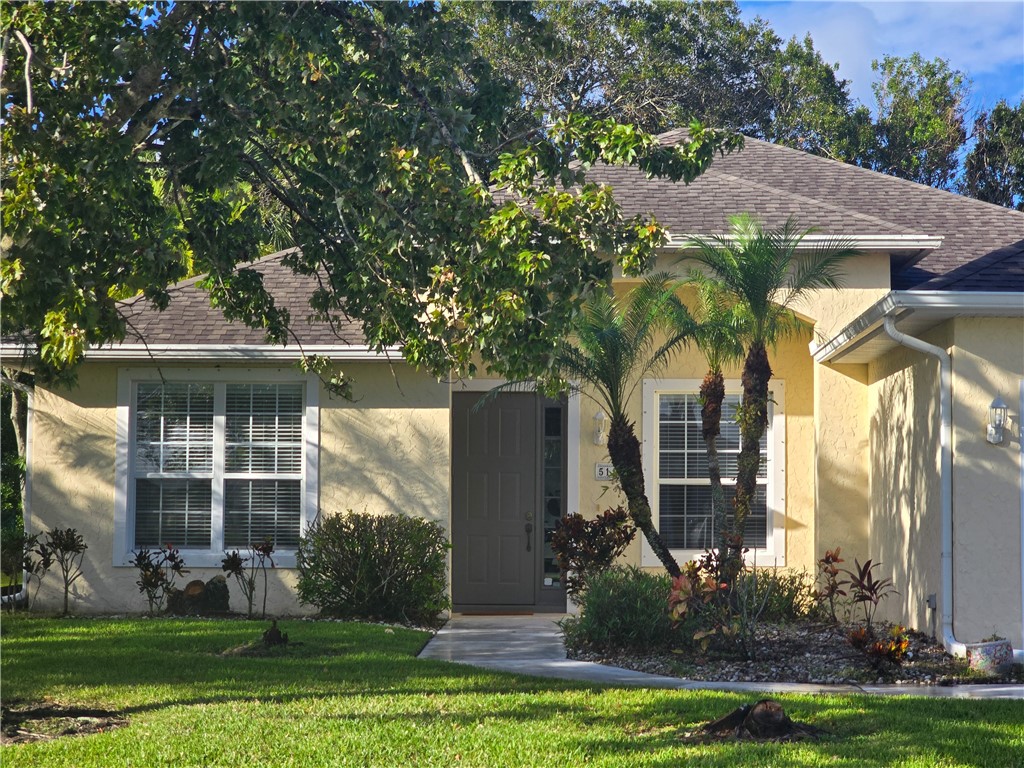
x=775, y=182
x=189, y=318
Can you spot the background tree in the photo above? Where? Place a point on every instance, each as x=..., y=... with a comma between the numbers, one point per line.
x=809, y=106
x=765, y=271
x=616, y=342
x=994, y=169
x=919, y=128
x=658, y=65
x=661, y=64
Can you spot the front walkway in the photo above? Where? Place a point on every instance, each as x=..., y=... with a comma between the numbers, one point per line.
x=532, y=645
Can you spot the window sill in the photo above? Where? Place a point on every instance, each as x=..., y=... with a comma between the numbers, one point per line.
x=764, y=558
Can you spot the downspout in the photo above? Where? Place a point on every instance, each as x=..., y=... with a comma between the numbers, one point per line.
x=949, y=641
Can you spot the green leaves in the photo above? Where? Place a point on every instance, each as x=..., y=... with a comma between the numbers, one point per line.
x=371, y=136
x=994, y=169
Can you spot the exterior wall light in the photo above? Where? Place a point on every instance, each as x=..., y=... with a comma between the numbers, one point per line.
x=600, y=435
x=996, y=421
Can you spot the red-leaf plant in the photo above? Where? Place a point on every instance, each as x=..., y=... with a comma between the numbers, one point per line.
x=867, y=590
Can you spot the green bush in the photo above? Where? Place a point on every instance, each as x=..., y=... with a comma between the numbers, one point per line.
x=379, y=567
x=621, y=609
x=787, y=595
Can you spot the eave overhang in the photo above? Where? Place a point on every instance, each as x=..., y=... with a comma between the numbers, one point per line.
x=210, y=353
x=864, y=339
x=902, y=245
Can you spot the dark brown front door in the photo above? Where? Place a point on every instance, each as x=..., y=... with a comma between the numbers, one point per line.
x=494, y=500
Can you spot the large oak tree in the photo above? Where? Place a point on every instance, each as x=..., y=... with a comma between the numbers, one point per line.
x=144, y=141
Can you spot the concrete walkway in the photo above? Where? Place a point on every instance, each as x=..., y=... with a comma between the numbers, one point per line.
x=532, y=645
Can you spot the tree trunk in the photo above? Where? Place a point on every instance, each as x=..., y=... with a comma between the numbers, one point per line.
x=624, y=450
x=712, y=395
x=753, y=423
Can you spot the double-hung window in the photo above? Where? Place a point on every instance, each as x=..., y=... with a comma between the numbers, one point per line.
x=676, y=469
x=209, y=464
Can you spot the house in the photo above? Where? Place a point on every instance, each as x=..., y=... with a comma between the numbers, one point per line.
x=193, y=431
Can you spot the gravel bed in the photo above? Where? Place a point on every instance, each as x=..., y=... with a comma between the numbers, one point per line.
x=805, y=653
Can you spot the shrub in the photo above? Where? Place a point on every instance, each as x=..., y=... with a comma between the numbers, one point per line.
x=586, y=547
x=831, y=586
x=867, y=590
x=67, y=547
x=23, y=556
x=157, y=571
x=385, y=567
x=245, y=576
x=787, y=596
x=621, y=609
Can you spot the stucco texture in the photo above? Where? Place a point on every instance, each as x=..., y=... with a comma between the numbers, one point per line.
x=388, y=452
x=987, y=359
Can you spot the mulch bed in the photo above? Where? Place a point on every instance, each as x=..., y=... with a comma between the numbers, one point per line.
x=805, y=653
x=43, y=721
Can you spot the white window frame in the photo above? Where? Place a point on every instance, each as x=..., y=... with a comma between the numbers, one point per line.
x=774, y=553
x=124, y=519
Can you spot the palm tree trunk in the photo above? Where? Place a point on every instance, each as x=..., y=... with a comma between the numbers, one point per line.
x=624, y=450
x=753, y=424
x=712, y=395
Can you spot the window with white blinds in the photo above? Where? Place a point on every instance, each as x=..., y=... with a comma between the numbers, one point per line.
x=263, y=464
x=173, y=464
x=682, y=481
x=217, y=465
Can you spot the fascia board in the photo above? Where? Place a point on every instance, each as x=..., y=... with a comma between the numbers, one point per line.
x=862, y=242
x=221, y=352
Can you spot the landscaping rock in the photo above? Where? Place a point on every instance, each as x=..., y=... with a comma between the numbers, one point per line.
x=804, y=653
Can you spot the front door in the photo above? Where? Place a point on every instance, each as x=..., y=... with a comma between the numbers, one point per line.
x=495, y=499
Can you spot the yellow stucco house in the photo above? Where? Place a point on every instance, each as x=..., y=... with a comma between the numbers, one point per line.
x=196, y=432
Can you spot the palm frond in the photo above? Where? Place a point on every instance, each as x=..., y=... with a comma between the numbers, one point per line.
x=767, y=270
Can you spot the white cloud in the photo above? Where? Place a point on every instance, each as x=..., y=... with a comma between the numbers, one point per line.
x=985, y=40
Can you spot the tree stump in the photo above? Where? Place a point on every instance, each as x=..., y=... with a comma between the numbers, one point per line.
x=273, y=635
x=765, y=720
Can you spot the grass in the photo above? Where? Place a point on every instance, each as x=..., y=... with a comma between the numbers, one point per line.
x=355, y=695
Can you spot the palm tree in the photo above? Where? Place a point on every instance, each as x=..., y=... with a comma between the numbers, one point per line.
x=721, y=327
x=618, y=341
x=765, y=271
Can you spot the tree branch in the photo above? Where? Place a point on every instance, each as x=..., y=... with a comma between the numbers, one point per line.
x=28, y=68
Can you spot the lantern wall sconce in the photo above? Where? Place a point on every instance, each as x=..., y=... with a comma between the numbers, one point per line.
x=600, y=433
x=996, y=421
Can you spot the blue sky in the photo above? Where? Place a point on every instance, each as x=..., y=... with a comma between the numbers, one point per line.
x=985, y=40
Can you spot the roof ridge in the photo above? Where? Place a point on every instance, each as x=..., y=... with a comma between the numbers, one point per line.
x=815, y=201
x=188, y=282
x=922, y=188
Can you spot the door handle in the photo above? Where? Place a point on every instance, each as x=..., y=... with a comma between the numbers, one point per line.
x=529, y=537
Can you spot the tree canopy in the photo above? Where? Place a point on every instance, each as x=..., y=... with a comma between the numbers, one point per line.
x=994, y=169
x=661, y=64
x=143, y=141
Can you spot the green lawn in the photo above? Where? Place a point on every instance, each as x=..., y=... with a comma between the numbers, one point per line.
x=356, y=695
